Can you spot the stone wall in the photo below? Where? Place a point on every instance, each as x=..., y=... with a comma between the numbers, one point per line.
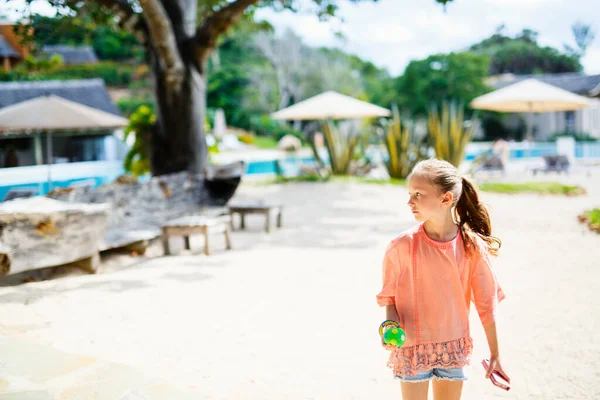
x=139, y=209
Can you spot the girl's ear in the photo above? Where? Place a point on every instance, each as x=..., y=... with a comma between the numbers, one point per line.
x=447, y=198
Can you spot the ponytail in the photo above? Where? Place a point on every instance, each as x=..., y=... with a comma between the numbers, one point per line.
x=473, y=218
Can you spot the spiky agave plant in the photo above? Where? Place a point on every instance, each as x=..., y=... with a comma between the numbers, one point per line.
x=340, y=146
x=448, y=134
x=404, y=147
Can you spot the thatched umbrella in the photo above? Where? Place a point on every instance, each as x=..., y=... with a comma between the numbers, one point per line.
x=330, y=105
x=51, y=114
x=530, y=96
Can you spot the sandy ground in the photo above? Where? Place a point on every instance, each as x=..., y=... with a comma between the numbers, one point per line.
x=292, y=315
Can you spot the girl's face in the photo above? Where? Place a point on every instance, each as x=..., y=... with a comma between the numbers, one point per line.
x=425, y=200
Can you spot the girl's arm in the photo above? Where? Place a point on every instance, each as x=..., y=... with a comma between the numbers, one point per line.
x=391, y=313
x=492, y=339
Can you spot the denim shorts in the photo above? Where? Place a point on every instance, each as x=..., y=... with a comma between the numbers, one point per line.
x=451, y=374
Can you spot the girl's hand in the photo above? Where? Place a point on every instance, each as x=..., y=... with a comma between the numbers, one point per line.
x=384, y=344
x=495, y=366
x=387, y=346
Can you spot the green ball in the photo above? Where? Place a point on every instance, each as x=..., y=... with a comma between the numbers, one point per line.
x=395, y=337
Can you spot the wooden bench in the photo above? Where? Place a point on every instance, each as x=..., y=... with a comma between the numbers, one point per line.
x=129, y=240
x=256, y=207
x=196, y=224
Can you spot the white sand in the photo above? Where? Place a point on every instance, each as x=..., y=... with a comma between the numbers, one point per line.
x=292, y=315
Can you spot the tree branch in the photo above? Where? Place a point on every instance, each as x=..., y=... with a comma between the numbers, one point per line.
x=215, y=25
x=163, y=40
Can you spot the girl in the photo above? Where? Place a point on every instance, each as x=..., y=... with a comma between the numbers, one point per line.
x=431, y=273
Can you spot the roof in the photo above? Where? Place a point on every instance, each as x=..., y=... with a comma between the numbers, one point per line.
x=585, y=85
x=71, y=54
x=6, y=50
x=89, y=92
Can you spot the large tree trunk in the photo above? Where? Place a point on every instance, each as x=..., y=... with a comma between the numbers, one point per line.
x=178, y=52
x=178, y=142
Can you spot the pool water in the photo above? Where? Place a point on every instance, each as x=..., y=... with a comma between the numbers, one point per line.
x=94, y=174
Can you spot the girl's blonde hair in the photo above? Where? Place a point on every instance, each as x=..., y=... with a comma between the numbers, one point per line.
x=471, y=215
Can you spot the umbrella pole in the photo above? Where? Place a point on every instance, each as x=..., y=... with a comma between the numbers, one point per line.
x=37, y=149
x=50, y=158
x=39, y=157
x=530, y=126
x=529, y=134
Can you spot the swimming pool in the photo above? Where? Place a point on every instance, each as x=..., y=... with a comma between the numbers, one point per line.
x=34, y=179
x=289, y=166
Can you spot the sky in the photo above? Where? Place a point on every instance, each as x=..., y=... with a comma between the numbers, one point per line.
x=390, y=33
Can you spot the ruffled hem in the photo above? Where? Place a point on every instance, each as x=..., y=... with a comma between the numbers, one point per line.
x=407, y=361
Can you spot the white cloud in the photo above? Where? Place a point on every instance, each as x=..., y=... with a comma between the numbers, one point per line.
x=15, y=9
x=591, y=61
x=443, y=26
x=312, y=30
x=524, y=3
x=383, y=33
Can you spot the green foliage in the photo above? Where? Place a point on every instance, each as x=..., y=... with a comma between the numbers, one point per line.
x=493, y=128
x=264, y=126
x=448, y=133
x=584, y=35
x=442, y=77
x=301, y=178
x=230, y=72
x=263, y=142
x=337, y=179
x=523, y=55
x=108, y=40
x=141, y=123
x=533, y=187
x=249, y=85
x=246, y=138
x=116, y=45
x=41, y=64
x=404, y=148
x=226, y=90
x=578, y=136
x=341, y=145
x=591, y=218
x=354, y=77
x=114, y=74
x=594, y=216
x=128, y=105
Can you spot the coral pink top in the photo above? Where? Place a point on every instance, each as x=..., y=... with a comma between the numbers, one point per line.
x=432, y=285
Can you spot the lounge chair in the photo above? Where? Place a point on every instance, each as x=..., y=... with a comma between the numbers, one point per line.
x=21, y=193
x=554, y=163
x=489, y=162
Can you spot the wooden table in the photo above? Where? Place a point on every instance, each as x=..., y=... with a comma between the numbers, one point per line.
x=256, y=207
x=197, y=224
